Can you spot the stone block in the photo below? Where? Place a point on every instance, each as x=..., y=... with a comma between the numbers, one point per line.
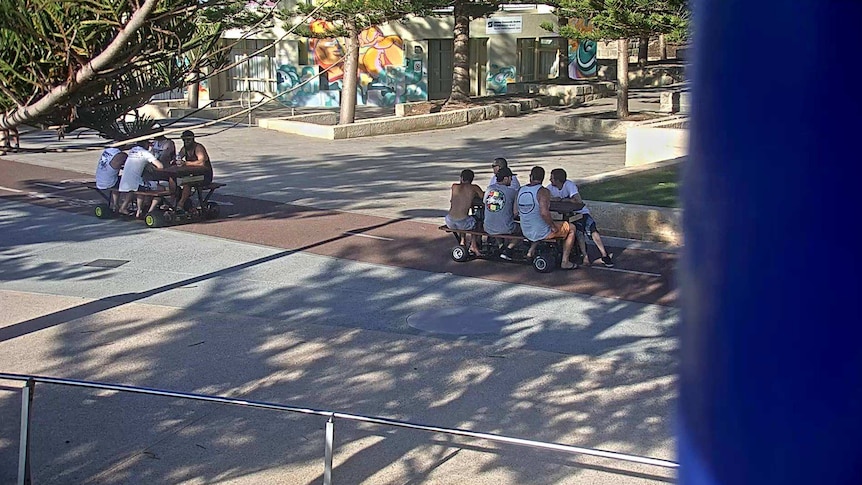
x=477, y=114
x=413, y=109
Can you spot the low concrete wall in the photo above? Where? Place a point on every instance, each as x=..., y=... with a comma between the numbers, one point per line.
x=652, y=142
x=313, y=130
x=566, y=94
x=322, y=125
x=597, y=127
x=638, y=222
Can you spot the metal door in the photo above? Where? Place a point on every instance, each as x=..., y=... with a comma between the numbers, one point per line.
x=440, y=62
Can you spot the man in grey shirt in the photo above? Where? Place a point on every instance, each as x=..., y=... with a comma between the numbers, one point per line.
x=500, y=209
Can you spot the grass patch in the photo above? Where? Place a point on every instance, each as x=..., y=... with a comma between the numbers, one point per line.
x=657, y=187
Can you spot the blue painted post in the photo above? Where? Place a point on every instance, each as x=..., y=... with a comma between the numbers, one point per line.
x=771, y=375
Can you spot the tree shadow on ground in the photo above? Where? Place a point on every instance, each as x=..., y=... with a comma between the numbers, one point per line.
x=333, y=334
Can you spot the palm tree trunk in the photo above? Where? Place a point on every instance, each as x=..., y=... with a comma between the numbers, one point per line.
x=347, y=113
x=461, y=56
x=622, y=78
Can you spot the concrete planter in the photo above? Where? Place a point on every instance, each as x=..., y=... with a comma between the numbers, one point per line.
x=592, y=126
x=638, y=222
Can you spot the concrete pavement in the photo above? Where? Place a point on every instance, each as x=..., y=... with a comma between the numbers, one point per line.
x=192, y=313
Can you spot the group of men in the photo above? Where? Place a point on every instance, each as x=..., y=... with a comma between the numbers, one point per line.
x=505, y=200
x=133, y=160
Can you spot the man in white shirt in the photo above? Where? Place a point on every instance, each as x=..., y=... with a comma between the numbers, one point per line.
x=560, y=189
x=133, y=179
x=108, y=172
x=496, y=165
x=163, y=149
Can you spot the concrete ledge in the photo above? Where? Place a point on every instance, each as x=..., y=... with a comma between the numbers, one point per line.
x=322, y=125
x=654, y=142
x=566, y=94
x=640, y=222
x=598, y=127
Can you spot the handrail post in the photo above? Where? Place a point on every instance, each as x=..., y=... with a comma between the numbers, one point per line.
x=24, y=446
x=327, y=450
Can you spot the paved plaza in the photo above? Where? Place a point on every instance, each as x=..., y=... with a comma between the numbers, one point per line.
x=255, y=307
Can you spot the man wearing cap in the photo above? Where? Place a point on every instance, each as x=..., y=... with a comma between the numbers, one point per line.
x=496, y=165
x=500, y=209
x=193, y=154
x=164, y=149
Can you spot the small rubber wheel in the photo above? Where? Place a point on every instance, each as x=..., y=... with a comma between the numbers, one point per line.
x=102, y=211
x=460, y=254
x=211, y=211
x=543, y=263
x=155, y=219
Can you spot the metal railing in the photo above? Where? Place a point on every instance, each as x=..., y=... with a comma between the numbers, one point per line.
x=30, y=384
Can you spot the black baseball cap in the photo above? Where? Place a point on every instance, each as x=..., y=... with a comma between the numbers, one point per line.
x=503, y=172
x=500, y=162
x=187, y=134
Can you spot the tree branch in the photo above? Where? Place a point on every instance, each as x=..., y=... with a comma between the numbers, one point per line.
x=87, y=73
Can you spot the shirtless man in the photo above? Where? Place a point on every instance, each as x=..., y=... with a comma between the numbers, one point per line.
x=458, y=218
x=192, y=154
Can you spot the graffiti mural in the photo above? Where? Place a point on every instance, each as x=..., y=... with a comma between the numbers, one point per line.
x=386, y=75
x=498, y=77
x=582, y=54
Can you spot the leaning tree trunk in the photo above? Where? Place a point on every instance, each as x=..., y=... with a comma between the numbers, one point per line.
x=622, y=78
x=643, y=50
x=461, y=53
x=351, y=74
x=103, y=60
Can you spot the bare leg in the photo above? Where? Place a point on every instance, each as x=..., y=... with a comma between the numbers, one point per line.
x=598, y=240
x=141, y=201
x=115, y=200
x=582, y=244
x=532, y=251
x=15, y=138
x=187, y=190
x=474, y=246
x=154, y=204
x=568, y=244
x=124, y=202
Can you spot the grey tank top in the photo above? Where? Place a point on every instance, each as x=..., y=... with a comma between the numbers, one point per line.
x=532, y=225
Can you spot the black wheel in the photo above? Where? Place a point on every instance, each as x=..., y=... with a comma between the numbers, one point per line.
x=155, y=219
x=211, y=211
x=460, y=253
x=102, y=211
x=543, y=262
x=168, y=216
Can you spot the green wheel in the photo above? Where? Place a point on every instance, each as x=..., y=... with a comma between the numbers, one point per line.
x=102, y=211
x=155, y=219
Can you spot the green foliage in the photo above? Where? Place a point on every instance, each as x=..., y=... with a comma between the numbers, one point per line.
x=618, y=19
x=47, y=42
x=361, y=13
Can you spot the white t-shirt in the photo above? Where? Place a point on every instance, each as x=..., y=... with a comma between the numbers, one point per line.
x=134, y=169
x=515, y=184
x=569, y=189
x=166, y=147
x=106, y=176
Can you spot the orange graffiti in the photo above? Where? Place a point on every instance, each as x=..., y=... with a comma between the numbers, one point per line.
x=376, y=52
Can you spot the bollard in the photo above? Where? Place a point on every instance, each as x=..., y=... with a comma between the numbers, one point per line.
x=327, y=451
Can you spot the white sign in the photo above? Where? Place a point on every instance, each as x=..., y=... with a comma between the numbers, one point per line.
x=503, y=25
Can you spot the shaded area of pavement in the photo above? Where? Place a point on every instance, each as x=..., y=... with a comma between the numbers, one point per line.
x=216, y=316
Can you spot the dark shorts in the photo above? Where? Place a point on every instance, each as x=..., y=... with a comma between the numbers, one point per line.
x=586, y=225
